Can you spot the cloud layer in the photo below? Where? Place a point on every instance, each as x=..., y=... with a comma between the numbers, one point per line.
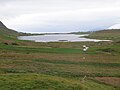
x=59, y=15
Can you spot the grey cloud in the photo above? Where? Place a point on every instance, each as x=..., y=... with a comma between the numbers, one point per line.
x=57, y=15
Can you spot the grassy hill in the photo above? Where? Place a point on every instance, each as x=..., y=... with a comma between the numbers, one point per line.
x=7, y=35
x=113, y=34
x=59, y=66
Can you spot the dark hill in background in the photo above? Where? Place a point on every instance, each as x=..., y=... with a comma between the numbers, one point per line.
x=7, y=35
x=5, y=30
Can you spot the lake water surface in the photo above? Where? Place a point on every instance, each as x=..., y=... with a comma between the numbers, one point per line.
x=59, y=38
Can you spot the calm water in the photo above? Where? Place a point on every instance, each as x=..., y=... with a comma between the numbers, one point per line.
x=58, y=38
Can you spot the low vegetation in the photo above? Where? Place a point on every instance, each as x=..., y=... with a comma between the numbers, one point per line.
x=26, y=65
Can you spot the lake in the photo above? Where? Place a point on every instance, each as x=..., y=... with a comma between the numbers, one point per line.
x=59, y=38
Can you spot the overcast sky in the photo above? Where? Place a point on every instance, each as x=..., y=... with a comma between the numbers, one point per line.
x=60, y=15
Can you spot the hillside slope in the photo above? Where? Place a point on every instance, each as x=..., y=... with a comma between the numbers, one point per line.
x=2, y=25
x=7, y=35
x=113, y=34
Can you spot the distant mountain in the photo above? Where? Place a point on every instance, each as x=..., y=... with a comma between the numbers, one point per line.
x=116, y=26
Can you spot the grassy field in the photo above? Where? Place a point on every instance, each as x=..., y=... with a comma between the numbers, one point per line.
x=26, y=65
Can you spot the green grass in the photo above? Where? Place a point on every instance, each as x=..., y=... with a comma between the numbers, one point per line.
x=40, y=50
x=45, y=82
x=58, y=65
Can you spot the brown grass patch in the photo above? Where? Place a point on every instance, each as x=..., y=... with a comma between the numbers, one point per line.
x=115, y=81
x=66, y=57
